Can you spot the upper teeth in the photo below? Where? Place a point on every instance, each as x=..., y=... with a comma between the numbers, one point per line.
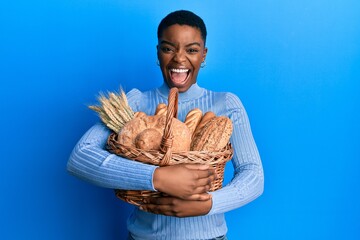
x=180, y=70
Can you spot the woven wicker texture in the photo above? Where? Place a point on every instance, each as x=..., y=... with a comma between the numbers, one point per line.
x=166, y=157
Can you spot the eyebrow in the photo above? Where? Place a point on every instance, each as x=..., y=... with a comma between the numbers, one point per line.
x=174, y=45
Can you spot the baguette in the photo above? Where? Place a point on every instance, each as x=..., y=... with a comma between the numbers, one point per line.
x=161, y=109
x=192, y=119
x=205, y=118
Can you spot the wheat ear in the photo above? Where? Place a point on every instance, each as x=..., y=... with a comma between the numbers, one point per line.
x=114, y=110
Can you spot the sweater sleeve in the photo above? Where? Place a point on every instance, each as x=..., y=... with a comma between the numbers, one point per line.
x=248, y=181
x=91, y=162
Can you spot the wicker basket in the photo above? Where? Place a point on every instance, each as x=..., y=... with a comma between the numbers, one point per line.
x=166, y=157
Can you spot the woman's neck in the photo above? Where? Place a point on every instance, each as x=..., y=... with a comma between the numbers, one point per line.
x=193, y=92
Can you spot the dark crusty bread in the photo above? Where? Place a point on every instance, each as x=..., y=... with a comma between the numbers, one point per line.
x=214, y=135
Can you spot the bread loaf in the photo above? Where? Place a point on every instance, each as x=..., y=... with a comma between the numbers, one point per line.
x=146, y=133
x=214, y=135
x=149, y=139
x=205, y=118
x=139, y=114
x=192, y=119
x=161, y=109
x=130, y=130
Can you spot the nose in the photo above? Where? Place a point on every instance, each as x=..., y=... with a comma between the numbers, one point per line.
x=179, y=56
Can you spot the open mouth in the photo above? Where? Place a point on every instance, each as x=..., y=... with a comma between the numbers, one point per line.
x=179, y=75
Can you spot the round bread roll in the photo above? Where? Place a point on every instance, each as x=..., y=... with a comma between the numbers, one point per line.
x=130, y=130
x=146, y=133
x=149, y=139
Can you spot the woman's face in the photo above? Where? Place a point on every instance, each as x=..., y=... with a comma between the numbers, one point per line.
x=180, y=52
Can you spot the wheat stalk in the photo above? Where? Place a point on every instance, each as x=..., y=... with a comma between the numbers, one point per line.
x=114, y=110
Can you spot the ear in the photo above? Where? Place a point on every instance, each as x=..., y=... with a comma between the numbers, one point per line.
x=205, y=53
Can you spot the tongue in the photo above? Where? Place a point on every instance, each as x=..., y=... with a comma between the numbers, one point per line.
x=178, y=77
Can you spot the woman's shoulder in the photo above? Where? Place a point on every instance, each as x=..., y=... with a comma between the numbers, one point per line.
x=133, y=93
x=137, y=93
x=143, y=100
x=230, y=98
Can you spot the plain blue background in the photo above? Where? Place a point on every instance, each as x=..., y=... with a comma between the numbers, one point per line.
x=294, y=64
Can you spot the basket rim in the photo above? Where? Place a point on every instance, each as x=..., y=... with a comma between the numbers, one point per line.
x=154, y=156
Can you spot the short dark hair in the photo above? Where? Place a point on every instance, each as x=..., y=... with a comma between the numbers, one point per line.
x=182, y=17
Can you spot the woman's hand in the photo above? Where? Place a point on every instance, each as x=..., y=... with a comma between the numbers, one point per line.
x=185, y=181
x=172, y=206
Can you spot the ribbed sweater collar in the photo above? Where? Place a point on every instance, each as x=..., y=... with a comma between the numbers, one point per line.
x=192, y=93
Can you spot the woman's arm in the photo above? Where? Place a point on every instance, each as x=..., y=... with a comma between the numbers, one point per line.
x=248, y=181
x=90, y=161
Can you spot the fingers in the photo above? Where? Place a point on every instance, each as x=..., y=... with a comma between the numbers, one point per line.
x=162, y=205
x=197, y=166
x=200, y=188
x=159, y=200
x=176, y=207
x=202, y=170
x=206, y=173
x=203, y=186
x=199, y=197
x=184, y=180
x=157, y=209
x=206, y=181
x=171, y=200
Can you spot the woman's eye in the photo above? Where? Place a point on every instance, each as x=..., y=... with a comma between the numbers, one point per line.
x=192, y=50
x=166, y=49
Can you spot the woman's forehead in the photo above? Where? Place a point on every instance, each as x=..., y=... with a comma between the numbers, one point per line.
x=181, y=33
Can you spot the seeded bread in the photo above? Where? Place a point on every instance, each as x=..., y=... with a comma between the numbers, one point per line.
x=213, y=135
x=205, y=118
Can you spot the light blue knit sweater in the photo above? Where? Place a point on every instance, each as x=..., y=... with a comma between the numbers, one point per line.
x=91, y=162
